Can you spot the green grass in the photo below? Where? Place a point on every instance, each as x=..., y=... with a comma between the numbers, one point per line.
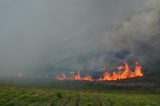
x=43, y=96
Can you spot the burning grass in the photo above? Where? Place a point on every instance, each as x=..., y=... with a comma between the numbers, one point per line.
x=141, y=91
x=130, y=91
x=121, y=72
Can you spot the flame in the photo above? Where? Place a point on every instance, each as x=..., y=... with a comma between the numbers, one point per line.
x=73, y=76
x=122, y=72
x=77, y=76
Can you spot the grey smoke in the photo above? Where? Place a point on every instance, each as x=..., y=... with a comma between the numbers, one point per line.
x=141, y=35
x=38, y=34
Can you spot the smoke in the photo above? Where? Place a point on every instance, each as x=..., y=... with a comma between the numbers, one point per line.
x=140, y=34
x=40, y=36
x=135, y=38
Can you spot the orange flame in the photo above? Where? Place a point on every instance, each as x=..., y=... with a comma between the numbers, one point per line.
x=77, y=76
x=122, y=73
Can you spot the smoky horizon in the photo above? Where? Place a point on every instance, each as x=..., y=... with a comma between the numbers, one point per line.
x=46, y=37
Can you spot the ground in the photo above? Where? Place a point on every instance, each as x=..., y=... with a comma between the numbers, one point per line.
x=13, y=95
x=143, y=91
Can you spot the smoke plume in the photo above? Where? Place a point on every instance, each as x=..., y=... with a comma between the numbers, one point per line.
x=40, y=36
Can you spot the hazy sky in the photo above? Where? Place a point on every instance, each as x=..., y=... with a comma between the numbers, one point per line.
x=34, y=33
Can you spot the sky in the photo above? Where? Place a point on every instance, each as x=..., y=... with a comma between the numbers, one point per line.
x=35, y=34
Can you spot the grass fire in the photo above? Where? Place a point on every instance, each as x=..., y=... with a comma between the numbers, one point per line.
x=122, y=72
x=79, y=52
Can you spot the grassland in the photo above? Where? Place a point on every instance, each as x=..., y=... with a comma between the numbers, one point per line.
x=143, y=91
x=11, y=95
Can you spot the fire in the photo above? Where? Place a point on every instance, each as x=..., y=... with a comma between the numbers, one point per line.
x=122, y=72
x=77, y=76
x=73, y=76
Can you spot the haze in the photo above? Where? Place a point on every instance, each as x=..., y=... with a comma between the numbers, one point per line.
x=37, y=34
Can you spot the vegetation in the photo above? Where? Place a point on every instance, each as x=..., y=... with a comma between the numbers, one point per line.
x=143, y=91
x=11, y=95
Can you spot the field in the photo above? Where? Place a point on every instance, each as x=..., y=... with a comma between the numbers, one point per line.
x=31, y=96
x=48, y=96
x=37, y=92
